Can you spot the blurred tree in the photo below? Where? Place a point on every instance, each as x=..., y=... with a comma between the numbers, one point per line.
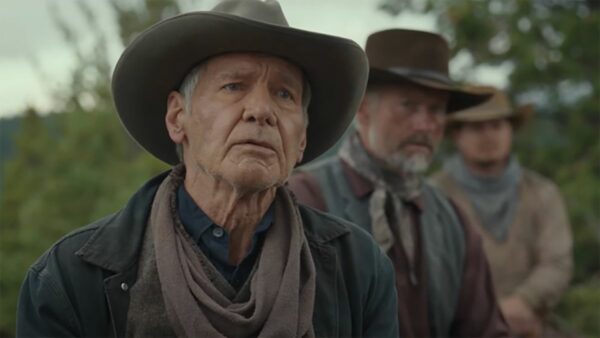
x=550, y=49
x=83, y=167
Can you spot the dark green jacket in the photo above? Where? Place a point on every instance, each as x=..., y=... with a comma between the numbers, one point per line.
x=79, y=287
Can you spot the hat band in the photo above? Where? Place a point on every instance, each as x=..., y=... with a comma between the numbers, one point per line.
x=421, y=73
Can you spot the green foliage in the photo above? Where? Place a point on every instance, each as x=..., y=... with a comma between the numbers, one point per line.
x=551, y=49
x=58, y=184
x=83, y=165
x=580, y=307
x=75, y=170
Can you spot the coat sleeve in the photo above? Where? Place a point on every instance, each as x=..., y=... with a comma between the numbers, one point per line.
x=306, y=190
x=44, y=310
x=478, y=313
x=553, y=268
x=381, y=319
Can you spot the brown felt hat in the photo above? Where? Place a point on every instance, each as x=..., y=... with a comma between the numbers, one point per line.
x=399, y=55
x=496, y=107
x=156, y=62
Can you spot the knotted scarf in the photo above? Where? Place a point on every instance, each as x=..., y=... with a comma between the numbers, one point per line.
x=280, y=290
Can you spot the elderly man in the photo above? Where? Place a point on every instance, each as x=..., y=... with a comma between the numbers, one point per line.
x=442, y=277
x=217, y=247
x=520, y=215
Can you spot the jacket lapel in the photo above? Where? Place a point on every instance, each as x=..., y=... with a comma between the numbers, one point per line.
x=326, y=316
x=319, y=233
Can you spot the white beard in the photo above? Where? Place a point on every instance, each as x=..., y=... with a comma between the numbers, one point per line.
x=414, y=164
x=398, y=162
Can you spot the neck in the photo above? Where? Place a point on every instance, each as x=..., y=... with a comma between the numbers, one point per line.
x=238, y=211
x=487, y=168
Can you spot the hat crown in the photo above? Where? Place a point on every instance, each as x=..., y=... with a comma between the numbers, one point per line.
x=266, y=11
x=156, y=61
x=497, y=106
x=409, y=50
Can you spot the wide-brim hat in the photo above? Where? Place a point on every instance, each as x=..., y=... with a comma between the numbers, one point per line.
x=498, y=106
x=401, y=55
x=158, y=59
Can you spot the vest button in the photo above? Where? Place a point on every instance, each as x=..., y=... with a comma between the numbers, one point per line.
x=124, y=286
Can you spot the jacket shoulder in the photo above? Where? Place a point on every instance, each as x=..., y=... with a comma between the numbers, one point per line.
x=323, y=229
x=57, y=286
x=537, y=180
x=66, y=247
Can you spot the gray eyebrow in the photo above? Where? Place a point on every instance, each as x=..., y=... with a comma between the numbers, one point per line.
x=287, y=77
x=232, y=74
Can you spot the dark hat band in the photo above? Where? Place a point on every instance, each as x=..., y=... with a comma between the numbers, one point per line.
x=421, y=73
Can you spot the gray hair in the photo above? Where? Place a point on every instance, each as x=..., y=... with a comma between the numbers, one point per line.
x=190, y=81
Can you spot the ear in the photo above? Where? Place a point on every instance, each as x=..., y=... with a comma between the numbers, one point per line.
x=302, y=147
x=362, y=115
x=174, y=116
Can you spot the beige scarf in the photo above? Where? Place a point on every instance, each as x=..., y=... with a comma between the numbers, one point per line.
x=282, y=286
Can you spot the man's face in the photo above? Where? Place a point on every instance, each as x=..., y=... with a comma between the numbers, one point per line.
x=484, y=143
x=402, y=125
x=246, y=126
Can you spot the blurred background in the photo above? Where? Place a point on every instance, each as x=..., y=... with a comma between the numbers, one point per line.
x=65, y=160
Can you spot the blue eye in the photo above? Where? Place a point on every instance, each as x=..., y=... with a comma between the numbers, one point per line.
x=232, y=86
x=284, y=94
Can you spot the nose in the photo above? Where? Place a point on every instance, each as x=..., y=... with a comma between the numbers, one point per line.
x=424, y=119
x=260, y=107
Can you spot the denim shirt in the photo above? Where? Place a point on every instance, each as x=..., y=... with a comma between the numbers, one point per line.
x=213, y=240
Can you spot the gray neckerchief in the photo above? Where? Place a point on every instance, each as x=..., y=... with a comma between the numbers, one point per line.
x=494, y=199
x=386, y=204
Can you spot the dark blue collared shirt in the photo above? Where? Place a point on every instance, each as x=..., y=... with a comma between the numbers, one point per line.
x=213, y=240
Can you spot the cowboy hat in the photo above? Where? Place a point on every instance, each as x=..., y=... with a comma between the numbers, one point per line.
x=400, y=55
x=498, y=106
x=156, y=62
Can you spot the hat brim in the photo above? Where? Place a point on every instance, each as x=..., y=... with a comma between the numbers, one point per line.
x=156, y=62
x=460, y=97
x=520, y=115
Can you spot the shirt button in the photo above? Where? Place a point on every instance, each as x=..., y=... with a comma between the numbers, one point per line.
x=217, y=232
x=124, y=286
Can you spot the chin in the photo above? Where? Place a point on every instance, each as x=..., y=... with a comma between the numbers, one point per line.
x=489, y=158
x=415, y=163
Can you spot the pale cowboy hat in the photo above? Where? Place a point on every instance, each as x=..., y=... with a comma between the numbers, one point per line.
x=400, y=55
x=498, y=106
x=156, y=62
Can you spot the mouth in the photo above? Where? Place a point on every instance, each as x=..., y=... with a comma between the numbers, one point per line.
x=419, y=142
x=418, y=145
x=255, y=143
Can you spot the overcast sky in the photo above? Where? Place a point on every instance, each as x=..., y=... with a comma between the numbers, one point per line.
x=34, y=58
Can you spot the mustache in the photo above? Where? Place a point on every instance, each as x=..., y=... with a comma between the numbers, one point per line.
x=418, y=139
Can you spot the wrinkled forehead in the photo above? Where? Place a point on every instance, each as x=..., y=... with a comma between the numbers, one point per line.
x=232, y=65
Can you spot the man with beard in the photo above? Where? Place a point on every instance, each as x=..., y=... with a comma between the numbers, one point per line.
x=376, y=181
x=520, y=215
x=217, y=246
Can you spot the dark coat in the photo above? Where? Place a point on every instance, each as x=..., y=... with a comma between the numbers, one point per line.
x=79, y=287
